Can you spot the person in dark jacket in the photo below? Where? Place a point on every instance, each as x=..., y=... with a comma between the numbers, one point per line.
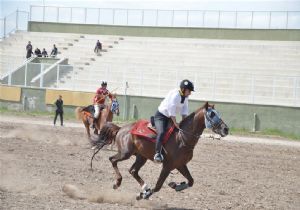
x=54, y=51
x=98, y=47
x=29, y=50
x=38, y=52
x=44, y=53
x=59, y=110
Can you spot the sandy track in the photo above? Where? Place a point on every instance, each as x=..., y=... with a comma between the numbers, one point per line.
x=37, y=160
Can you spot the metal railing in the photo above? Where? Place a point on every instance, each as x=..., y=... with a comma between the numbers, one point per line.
x=168, y=18
x=16, y=20
x=212, y=86
x=43, y=75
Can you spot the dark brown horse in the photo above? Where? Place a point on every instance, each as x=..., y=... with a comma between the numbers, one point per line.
x=178, y=151
x=106, y=115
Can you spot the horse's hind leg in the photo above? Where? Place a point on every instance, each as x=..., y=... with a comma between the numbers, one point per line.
x=86, y=125
x=137, y=165
x=114, y=160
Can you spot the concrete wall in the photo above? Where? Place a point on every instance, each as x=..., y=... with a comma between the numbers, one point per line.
x=207, y=33
x=286, y=119
x=45, y=60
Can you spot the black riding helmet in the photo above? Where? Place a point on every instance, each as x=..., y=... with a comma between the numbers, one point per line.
x=187, y=84
x=103, y=83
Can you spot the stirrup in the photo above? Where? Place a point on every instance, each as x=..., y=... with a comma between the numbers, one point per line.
x=158, y=158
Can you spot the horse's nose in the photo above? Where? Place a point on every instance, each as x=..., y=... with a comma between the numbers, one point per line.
x=226, y=130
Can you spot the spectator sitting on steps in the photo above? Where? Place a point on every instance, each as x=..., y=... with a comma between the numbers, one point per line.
x=44, y=53
x=37, y=52
x=98, y=47
x=54, y=51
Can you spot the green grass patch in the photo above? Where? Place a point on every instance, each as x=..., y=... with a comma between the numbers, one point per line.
x=272, y=133
x=5, y=111
x=68, y=115
x=264, y=133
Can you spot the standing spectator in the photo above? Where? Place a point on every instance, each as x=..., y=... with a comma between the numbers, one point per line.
x=37, y=52
x=29, y=50
x=59, y=110
x=98, y=47
x=54, y=51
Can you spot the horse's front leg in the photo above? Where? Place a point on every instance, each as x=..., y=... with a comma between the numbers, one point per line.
x=95, y=131
x=186, y=173
x=162, y=177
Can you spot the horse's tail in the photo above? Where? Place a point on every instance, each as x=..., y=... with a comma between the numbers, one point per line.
x=107, y=136
x=78, y=113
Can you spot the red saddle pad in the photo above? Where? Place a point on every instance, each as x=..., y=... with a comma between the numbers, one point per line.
x=141, y=129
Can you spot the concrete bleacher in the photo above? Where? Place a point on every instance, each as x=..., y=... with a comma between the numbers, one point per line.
x=266, y=72
x=225, y=70
x=77, y=48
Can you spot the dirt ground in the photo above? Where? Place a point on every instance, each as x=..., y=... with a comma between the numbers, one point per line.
x=38, y=160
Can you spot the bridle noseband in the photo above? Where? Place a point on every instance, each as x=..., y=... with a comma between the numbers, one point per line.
x=212, y=122
x=114, y=106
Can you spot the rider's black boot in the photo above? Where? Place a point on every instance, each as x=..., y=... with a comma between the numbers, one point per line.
x=158, y=157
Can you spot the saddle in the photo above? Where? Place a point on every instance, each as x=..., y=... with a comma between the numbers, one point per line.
x=90, y=110
x=151, y=124
x=144, y=128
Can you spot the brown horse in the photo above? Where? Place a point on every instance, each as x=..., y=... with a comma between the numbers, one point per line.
x=178, y=150
x=106, y=115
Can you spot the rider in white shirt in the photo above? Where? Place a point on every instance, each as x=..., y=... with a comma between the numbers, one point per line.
x=175, y=102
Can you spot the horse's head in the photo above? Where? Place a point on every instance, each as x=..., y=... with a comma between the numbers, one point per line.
x=214, y=121
x=115, y=105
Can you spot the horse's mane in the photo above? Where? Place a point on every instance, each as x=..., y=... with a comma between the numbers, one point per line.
x=190, y=116
x=108, y=133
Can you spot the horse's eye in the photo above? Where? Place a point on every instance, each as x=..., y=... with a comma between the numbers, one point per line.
x=212, y=114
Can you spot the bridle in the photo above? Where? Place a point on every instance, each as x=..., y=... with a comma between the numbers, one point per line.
x=212, y=122
x=191, y=134
x=114, y=106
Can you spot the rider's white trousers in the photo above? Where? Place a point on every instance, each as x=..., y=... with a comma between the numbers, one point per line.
x=97, y=110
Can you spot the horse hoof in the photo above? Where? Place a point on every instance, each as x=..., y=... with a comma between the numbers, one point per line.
x=139, y=196
x=181, y=186
x=115, y=186
x=172, y=185
x=147, y=194
x=144, y=195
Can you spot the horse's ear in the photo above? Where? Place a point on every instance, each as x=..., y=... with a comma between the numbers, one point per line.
x=206, y=105
x=213, y=106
